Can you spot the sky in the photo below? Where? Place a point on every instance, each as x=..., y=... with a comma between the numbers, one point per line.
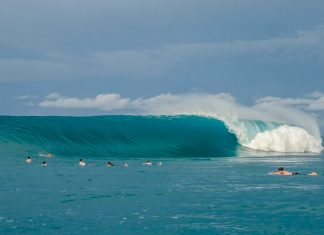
x=81, y=57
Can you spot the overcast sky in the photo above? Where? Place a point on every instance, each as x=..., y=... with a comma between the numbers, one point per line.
x=251, y=49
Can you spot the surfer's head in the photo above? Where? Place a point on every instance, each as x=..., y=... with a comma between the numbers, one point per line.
x=28, y=160
x=281, y=169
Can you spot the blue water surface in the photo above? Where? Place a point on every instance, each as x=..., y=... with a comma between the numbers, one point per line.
x=229, y=195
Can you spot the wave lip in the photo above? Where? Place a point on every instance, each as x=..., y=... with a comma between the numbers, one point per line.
x=286, y=139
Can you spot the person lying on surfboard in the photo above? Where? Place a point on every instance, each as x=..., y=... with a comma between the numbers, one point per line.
x=28, y=160
x=282, y=171
x=82, y=163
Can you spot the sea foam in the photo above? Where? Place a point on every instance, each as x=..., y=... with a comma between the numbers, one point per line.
x=285, y=139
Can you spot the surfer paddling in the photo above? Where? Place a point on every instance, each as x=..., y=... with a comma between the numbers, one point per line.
x=313, y=173
x=82, y=163
x=28, y=160
x=148, y=163
x=49, y=155
x=282, y=171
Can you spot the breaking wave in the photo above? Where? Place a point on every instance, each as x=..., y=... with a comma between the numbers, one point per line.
x=152, y=136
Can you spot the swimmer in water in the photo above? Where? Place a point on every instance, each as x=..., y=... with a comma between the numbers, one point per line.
x=44, y=163
x=28, y=160
x=148, y=163
x=49, y=155
x=313, y=173
x=282, y=171
x=110, y=164
x=82, y=163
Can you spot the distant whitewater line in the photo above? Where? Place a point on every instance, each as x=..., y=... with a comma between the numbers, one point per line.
x=151, y=136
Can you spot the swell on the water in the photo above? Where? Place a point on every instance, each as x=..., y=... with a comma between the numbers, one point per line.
x=150, y=136
x=120, y=136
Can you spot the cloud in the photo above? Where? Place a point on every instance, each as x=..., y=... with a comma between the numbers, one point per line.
x=25, y=97
x=315, y=94
x=53, y=96
x=29, y=103
x=31, y=69
x=162, y=104
x=130, y=63
x=161, y=60
x=104, y=101
x=28, y=100
x=313, y=102
x=304, y=44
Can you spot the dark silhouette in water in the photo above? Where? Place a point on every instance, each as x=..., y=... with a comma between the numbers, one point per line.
x=28, y=160
x=82, y=163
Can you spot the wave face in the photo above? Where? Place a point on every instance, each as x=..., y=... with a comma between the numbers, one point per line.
x=144, y=136
x=120, y=136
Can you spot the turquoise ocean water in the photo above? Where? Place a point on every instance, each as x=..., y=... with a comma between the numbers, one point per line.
x=208, y=183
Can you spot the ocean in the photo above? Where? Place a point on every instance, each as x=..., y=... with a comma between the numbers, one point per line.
x=213, y=178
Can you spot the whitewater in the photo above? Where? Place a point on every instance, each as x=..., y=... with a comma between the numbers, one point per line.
x=274, y=137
